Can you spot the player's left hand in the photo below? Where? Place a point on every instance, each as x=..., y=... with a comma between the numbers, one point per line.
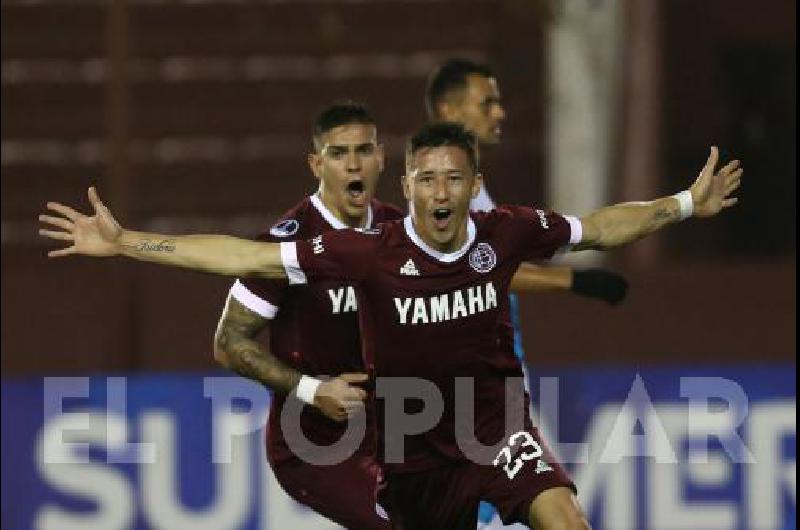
x=711, y=191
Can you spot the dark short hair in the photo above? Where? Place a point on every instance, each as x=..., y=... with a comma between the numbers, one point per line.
x=449, y=76
x=444, y=134
x=338, y=114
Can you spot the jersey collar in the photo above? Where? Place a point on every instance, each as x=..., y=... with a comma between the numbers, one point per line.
x=334, y=221
x=444, y=257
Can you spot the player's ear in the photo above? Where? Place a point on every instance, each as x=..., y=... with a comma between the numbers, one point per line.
x=447, y=111
x=406, y=188
x=315, y=163
x=381, y=157
x=477, y=184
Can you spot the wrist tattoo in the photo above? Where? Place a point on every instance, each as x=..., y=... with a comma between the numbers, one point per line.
x=662, y=214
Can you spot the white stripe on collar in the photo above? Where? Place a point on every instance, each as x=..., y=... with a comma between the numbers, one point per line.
x=441, y=256
x=334, y=221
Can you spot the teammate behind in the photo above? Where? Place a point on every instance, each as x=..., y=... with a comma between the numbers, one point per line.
x=313, y=329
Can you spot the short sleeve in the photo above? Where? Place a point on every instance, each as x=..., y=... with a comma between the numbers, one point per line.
x=262, y=296
x=541, y=233
x=337, y=255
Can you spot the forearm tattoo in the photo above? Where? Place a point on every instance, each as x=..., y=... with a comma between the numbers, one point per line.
x=247, y=357
x=148, y=245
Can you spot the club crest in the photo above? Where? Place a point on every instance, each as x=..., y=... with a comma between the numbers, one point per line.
x=482, y=258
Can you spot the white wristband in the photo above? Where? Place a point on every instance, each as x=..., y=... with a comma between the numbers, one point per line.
x=684, y=198
x=306, y=389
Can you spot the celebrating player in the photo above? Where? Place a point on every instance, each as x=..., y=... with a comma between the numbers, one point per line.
x=466, y=92
x=313, y=329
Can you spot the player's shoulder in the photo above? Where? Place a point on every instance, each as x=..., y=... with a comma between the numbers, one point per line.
x=296, y=223
x=504, y=212
x=498, y=214
x=509, y=217
x=375, y=236
x=384, y=211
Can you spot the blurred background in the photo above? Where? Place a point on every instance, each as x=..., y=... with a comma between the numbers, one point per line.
x=195, y=116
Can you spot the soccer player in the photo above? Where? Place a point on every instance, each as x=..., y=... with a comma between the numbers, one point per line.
x=466, y=92
x=430, y=291
x=313, y=329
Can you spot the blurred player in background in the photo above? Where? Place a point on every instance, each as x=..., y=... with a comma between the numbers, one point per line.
x=466, y=92
x=435, y=259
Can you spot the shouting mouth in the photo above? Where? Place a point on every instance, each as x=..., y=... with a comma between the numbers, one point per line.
x=441, y=217
x=357, y=192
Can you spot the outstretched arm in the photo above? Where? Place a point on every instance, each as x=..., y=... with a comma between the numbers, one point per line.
x=623, y=223
x=101, y=235
x=597, y=283
x=530, y=277
x=236, y=348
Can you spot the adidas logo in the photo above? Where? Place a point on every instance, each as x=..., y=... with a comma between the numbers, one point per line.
x=409, y=269
x=542, y=467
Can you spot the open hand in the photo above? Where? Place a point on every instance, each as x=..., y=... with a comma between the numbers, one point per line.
x=95, y=235
x=711, y=191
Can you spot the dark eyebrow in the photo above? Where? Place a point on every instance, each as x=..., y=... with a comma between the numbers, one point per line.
x=345, y=147
x=447, y=172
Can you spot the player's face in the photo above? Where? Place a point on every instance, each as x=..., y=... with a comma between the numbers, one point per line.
x=479, y=109
x=439, y=183
x=348, y=163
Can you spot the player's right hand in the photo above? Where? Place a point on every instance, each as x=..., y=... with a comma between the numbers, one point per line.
x=339, y=398
x=95, y=235
x=601, y=284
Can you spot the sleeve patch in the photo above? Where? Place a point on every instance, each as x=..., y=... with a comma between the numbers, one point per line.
x=285, y=228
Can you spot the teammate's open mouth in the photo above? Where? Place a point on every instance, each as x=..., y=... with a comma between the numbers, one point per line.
x=441, y=217
x=356, y=192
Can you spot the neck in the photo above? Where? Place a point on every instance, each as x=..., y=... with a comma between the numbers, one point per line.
x=339, y=212
x=447, y=247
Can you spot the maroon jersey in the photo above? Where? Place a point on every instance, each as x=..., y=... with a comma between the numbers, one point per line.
x=437, y=316
x=314, y=328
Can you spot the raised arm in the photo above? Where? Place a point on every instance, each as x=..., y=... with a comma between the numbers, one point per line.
x=101, y=235
x=236, y=348
x=623, y=223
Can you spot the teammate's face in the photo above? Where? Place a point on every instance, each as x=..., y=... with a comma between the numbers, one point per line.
x=347, y=163
x=439, y=184
x=478, y=108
